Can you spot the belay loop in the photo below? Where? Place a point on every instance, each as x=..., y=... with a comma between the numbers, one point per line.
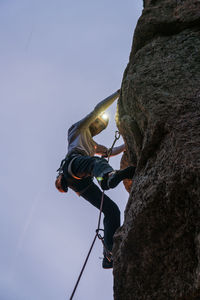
x=117, y=136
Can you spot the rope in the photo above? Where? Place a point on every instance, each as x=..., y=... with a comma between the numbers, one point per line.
x=117, y=136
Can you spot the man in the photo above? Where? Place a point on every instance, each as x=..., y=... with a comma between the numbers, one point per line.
x=81, y=165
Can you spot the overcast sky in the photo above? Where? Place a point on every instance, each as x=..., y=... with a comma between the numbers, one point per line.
x=58, y=59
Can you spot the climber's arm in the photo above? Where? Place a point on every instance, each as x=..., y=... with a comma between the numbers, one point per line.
x=98, y=110
x=117, y=150
x=101, y=150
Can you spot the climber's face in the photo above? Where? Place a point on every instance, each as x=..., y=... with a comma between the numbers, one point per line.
x=98, y=125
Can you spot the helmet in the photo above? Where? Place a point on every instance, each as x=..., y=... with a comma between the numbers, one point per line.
x=99, y=124
x=60, y=184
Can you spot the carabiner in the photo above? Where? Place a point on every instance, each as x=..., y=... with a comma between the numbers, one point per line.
x=117, y=134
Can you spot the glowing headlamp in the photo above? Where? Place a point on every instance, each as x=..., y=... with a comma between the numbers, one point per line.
x=105, y=116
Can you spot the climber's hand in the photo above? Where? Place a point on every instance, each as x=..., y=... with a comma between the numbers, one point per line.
x=101, y=150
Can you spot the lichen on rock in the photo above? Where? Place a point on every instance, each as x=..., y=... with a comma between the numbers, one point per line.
x=157, y=250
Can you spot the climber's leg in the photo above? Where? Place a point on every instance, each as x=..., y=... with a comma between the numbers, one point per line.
x=98, y=167
x=112, y=179
x=84, y=166
x=110, y=210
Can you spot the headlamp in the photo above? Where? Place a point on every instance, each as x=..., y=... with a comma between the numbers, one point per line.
x=105, y=116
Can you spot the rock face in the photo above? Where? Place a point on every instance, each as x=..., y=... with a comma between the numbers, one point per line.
x=157, y=250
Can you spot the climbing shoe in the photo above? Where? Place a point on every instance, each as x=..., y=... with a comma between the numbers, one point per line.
x=106, y=264
x=112, y=179
x=107, y=260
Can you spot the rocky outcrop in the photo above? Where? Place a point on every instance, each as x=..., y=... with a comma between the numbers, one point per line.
x=157, y=250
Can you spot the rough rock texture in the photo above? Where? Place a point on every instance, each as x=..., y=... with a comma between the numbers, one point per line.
x=125, y=162
x=157, y=250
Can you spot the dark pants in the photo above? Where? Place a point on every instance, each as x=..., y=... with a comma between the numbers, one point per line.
x=110, y=210
x=86, y=167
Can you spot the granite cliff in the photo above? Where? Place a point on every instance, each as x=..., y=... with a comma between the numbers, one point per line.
x=157, y=250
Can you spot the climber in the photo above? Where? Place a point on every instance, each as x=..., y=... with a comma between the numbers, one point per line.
x=80, y=166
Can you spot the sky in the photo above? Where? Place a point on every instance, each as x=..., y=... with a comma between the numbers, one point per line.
x=58, y=59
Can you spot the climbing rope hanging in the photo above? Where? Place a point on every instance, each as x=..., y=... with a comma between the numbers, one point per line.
x=117, y=136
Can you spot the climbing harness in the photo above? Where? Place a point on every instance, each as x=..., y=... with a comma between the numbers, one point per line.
x=97, y=235
x=70, y=169
x=61, y=184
